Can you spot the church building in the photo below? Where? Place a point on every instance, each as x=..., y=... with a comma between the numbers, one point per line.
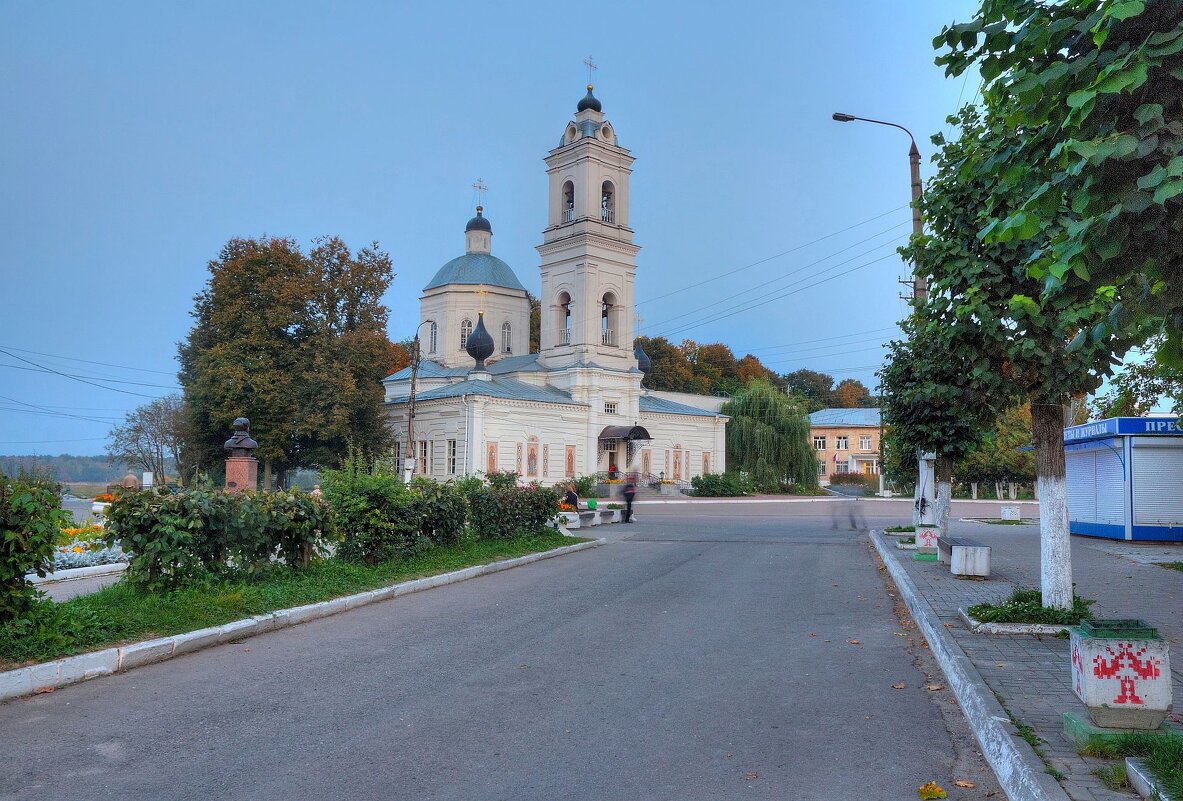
x=484, y=403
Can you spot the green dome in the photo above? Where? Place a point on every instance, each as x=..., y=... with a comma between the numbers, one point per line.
x=476, y=268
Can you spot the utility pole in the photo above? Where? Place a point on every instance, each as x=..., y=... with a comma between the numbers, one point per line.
x=409, y=457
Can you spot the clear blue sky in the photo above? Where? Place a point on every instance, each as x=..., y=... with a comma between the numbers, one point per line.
x=136, y=138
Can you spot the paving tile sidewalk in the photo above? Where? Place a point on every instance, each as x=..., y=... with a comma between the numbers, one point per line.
x=1032, y=674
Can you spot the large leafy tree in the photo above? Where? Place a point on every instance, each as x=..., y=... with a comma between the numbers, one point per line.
x=1004, y=454
x=296, y=342
x=851, y=394
x=1013, y=342
x=816, y=388
x=1095, y=88
x=154, y=434
x=768, y=437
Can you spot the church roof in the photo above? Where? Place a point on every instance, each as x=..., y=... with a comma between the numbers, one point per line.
x=476, y=268
x=651, y=403
x=429, y=369
x=506, y=388
x=868, y=418
x=526, y=363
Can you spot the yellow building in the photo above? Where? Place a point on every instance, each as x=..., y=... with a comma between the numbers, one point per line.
x=846, y=441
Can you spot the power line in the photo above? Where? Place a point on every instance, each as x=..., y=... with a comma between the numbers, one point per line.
x=776, y=256
x=89, y=361
x=822, y=339
x=49, y=441
x=764, y=287
x=95, y=377
x=75, y=378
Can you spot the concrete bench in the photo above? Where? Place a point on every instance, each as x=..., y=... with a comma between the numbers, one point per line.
x=965, y=557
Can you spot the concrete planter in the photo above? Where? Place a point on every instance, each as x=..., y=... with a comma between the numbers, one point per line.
x=99, y=508
x=595, y=517
x=1121, y=671
x=926, y=537
x=572, y=519
x=668, y=489
x=614, y=515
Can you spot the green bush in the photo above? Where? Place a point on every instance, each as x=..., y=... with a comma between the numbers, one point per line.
x=1026, y=606
x=193, y=536
x=501, y=514
x=371, y=508
x=856, y=480
x=502, y=479
x=719, y=485
x=30, y=518
x=444, y=514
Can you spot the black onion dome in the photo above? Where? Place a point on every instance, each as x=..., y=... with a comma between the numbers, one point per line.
x=589, y=101
x=644, y=364
x=478, y=223
x=480, y=345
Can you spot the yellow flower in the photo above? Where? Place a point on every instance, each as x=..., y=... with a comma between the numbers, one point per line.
x=77, y=549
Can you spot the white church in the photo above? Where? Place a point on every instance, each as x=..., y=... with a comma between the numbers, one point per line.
x=484, y=403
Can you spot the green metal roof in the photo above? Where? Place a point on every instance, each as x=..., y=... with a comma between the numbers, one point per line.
x=476, y=268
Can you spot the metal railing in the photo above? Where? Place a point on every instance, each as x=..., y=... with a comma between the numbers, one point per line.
x=608, y=215
x=564, y=337
x=607, y=337
x=568, y=215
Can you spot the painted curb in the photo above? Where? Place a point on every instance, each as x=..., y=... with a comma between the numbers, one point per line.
x=1020, y=772
x=75, y=573
x=1039, y=629
x=73, y=669
x=1143, y=782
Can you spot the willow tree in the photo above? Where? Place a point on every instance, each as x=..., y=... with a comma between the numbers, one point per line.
x=768, y=438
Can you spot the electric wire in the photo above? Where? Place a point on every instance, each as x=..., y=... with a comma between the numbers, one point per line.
x=89, y=361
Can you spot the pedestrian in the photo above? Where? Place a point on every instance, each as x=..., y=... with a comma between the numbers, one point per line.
x=316, y=493
x=571, y=498
x=630, y=492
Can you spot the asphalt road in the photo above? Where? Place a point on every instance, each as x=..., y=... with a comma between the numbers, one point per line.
x=704, y=653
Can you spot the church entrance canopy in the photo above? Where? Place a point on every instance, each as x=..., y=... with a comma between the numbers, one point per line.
x=627, y=433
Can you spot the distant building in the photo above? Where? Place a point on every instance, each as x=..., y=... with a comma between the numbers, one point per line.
x=846, y=441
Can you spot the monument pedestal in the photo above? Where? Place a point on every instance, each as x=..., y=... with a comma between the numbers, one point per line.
x=242, y=473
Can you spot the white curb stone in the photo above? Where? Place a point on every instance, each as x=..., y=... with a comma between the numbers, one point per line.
x=1018, y=768
x=978, y=627
x=74, y=573
x=73, y=669
x=1143, y=782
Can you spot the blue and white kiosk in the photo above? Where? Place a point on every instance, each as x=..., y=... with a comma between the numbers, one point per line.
x=1125, y=478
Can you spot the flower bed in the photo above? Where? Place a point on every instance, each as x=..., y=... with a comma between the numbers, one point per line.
x=82, y=553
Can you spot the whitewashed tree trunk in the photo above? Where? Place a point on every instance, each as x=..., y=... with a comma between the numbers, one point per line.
x=1010, y=490
x=944, y=494
x=1055, y=548
x=973, y=489
x=266, y=476
x=924, y=506
x=998, y=490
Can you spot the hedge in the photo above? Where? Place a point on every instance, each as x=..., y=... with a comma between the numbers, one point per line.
x=30, y=519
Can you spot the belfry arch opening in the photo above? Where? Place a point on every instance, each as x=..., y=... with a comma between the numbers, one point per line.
x=608, y=202
x=562, y=311
x=609, y=319
x=567, y=200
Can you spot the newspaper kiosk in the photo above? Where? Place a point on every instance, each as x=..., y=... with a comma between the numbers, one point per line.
x=1125, y=478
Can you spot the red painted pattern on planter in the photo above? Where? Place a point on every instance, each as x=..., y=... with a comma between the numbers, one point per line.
x=1128, y=667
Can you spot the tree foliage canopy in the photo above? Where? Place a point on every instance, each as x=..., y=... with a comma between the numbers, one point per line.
x=296, y=342
x=768, y=437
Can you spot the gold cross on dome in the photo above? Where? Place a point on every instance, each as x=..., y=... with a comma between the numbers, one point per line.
x=591, y=67
x=480, y=188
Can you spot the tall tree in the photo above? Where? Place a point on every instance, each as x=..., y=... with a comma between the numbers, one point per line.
x=1004, y=454
x=295, y=342
x=535, y=323
x=815, y=387
x=1141, y=386
x=1095, y=87
x=769, y=438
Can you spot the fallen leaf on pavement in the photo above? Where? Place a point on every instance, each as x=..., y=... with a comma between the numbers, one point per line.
x=929, y=791
x=932, y=688
x=964, y=783
x=853, y=642
x=246, y=649
x=900, y=634
x=948, y=625
x=899, y=686
x=752, y=776
x=813, y=634
x=43, y=690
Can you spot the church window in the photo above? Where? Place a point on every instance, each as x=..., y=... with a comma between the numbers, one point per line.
x=422, y=457
x=608, y=202
x=431, y=338
x=568, y=207
x=465, y=332
x=563, y=319
x=506, y=338
x=451, y=457
x=609, y=316
x=609, y=407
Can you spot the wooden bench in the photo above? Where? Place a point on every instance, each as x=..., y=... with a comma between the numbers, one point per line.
x=965, y=557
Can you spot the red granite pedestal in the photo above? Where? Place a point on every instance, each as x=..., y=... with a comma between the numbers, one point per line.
x=242, y=473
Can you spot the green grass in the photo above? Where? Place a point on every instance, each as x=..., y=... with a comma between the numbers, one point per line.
x=1163, y=755
x=1171, y=565
x=899, y=529
x=1026, y=606
x=1114, y=776
x=906, y=540
x=122, y=613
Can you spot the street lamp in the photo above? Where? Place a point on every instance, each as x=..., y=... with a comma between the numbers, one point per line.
x=409, y=460
x=919, y=283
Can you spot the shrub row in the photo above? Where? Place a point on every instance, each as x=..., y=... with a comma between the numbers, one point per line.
x=856, y=479
x=30, y=519
x=720, y=485
x=187, y=537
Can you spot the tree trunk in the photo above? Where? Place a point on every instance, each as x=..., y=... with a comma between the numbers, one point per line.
x=973, y=489
x=998, y=490
x=1010, y=490
x=1055, y=554
x=944, y=497
x=267, y=476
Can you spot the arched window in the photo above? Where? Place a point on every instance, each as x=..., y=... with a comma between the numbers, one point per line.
x=609, y=314
x=506, y=338
x=465, y=332
x=608, y=202
x=432, y=337
x=563, y=319
x=567, y=212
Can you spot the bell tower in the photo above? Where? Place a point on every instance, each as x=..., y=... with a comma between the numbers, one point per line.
x=588, y=255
